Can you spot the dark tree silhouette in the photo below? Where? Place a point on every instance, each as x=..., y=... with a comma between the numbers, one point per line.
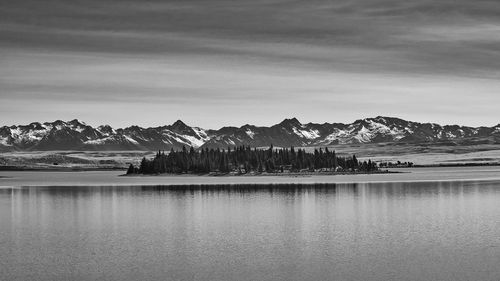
x=244, y=159
x=131, y=169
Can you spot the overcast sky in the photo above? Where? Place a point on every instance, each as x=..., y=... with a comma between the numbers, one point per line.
x=213, y=62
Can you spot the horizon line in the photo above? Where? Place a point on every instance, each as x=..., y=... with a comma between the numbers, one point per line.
x=247, y=124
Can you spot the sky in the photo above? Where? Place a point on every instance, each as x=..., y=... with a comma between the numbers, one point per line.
x=214, y=63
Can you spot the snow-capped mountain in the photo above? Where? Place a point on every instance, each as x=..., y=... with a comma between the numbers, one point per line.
x=76, y=135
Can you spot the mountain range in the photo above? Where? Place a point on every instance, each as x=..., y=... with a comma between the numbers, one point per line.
x=76, y=135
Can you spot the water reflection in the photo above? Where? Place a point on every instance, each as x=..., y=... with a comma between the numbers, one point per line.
x=382, y=231
x=391, y=189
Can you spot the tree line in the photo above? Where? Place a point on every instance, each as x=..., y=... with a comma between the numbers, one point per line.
x=244, y=159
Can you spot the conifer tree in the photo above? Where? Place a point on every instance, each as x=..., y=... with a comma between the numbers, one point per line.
x=247, y=159
x=131, y=169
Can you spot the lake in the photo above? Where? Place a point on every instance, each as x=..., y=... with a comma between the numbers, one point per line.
x=434, y=224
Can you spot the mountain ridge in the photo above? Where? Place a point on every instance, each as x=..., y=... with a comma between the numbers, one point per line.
x=77, y=135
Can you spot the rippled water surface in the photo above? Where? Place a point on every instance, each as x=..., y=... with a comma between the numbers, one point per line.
x=378, y=231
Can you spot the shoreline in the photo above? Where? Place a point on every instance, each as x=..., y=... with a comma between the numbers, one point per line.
x=115, y=178
x=119, y=168
x=451, y=165
x=59, y=169
x=293, y=175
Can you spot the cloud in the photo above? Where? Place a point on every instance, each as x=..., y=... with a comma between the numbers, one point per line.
x=199, y=57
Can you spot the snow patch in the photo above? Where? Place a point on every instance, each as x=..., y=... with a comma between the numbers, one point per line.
x=450, y=135
x=98, y=141
x=79, y=129
x=131, y=140
x=3, y=141
x=341, y=135
x=395, y=133
x=308, y=134
x=15, y=133
x=250, y=133
x=193, y=141
x=363, y=135
x=27, y=136
x=101, y=130
x=201, y=133
x=409, y=130
x=185, y=139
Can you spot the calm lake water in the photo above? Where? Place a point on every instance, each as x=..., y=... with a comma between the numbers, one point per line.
x=354, y=231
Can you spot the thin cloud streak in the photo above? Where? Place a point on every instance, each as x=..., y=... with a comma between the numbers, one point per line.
x=318, y=60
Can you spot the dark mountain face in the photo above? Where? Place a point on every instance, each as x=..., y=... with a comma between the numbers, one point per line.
x=180, y=128
x=76, y=135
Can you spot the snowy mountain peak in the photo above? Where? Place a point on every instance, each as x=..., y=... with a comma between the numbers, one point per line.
x=76, y=135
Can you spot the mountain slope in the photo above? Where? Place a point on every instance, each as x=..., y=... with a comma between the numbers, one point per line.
x=76, y=135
